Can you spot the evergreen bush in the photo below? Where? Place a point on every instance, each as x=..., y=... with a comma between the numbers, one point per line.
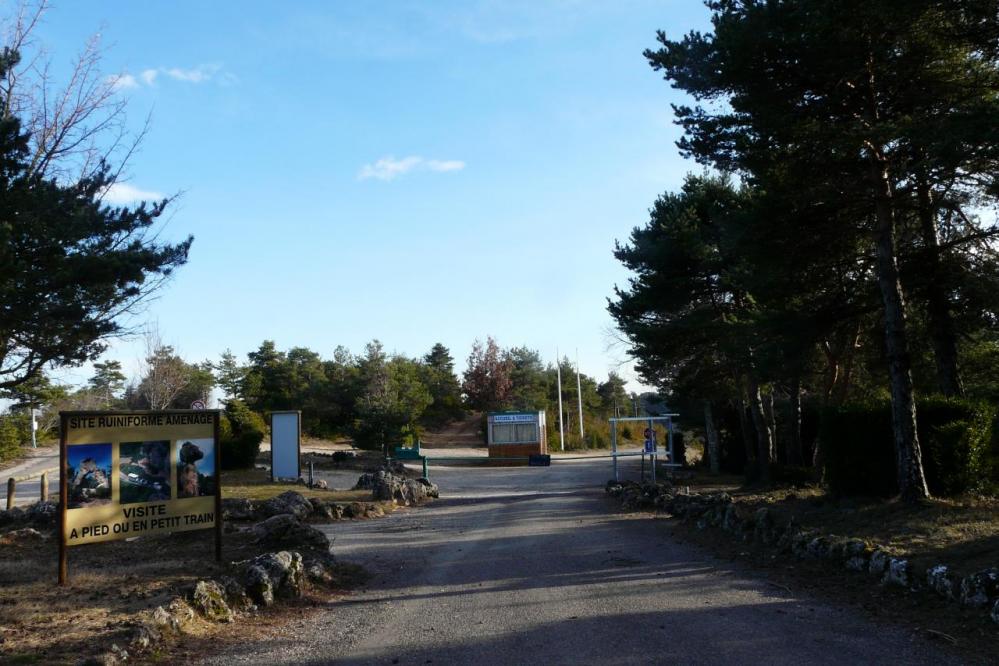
x=955, y=436
x=240, y=433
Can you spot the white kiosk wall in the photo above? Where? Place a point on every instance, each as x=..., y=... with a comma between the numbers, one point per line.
x=286, y=440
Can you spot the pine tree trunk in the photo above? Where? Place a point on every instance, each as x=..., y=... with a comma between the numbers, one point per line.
x=795, y=455
x=771, y=414
x=764, y=438
x=745, y=427
x=911, y=480
x=711, y=434
x=940, y=319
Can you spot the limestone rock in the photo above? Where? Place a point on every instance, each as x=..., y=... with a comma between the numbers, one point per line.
x=173, y=617
x=208, y=598
x=365, y=482
x=286, y=530
x=818, y=547
x=978, y=589
x=43, y=514
x=354, y=510
x=432, y=489
x=235, y=594
x=238, y=509
x=898, y=573
x=23, y=536
x=856, y=563
x=319, y=569
x=940, y=579
x=271, y=575
x=325, y=509
x=879, y=562
x=290, y=502
x=11, y=517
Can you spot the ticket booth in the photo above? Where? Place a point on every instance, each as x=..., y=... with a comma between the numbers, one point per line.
x=516, y=435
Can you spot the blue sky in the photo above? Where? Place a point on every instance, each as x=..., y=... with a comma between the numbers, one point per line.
x=413, y=172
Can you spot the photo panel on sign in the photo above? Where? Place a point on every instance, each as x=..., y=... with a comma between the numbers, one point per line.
x=195, y=468
x=143, y=471
x=89, y=475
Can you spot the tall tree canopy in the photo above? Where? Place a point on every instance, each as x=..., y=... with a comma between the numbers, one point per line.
x=872, y=121
x=70, y=266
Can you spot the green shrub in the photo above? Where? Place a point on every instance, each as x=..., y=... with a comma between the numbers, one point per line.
x=955, y=437
x=15, y=433
x=10, y=439
x=240, y=433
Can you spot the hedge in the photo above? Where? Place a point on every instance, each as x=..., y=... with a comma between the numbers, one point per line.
x=955, y=436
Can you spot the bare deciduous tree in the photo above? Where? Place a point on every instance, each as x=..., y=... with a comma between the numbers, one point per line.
x=164, y=374
x=76, y=127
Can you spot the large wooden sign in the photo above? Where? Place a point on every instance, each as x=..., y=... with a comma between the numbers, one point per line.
x=129, y=474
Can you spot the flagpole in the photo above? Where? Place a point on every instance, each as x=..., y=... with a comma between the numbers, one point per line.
x=579, y=395
x=561, y=430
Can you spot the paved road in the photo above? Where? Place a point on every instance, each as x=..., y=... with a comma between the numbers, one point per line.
x=528, y=566
x=28, y=491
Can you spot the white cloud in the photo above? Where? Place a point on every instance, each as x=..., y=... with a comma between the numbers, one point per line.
x=120, y=194
x=148, y=77
x=388, y=168
x=445, y=165
x=199, y=74
x=123, y=81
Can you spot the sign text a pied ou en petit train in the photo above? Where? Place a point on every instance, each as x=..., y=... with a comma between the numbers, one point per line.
x=135, y=474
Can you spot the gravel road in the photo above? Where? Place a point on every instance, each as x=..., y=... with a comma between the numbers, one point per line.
x=533, y=566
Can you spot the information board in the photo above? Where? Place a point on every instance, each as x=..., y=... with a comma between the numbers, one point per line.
x=286, y=445
x=128, y=474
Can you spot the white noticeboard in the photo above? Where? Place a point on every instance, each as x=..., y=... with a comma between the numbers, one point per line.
x=286, y=445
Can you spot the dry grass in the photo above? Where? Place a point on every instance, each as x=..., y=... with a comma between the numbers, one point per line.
x=109, y=583
x=255, y=484
x=962, y=533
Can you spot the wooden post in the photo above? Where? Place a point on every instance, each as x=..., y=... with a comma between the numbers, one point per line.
x=44, y=483
x=218, y=487
x=63, y=499
x=11, y=487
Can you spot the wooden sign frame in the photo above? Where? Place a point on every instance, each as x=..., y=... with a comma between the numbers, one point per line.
x=171, y=426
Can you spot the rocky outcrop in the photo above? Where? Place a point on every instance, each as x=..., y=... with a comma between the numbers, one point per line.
x=386, y=487
x=325, y=509
x=940, y=579
x=23, y=537
x=42, y=515
x=289, y=502
x=209, y=599
x=980, y=588
x=287, y=530
x=899, y=573
x=238, y=509
x=273, y=575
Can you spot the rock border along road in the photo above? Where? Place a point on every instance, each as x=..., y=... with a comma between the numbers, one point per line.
x=534, y=566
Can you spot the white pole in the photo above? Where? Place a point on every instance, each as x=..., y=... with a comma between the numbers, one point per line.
x=561, y=430
x=34, y=429
x=579, y=395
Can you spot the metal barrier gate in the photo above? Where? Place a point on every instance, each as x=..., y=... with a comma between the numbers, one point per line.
x=650, y=450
